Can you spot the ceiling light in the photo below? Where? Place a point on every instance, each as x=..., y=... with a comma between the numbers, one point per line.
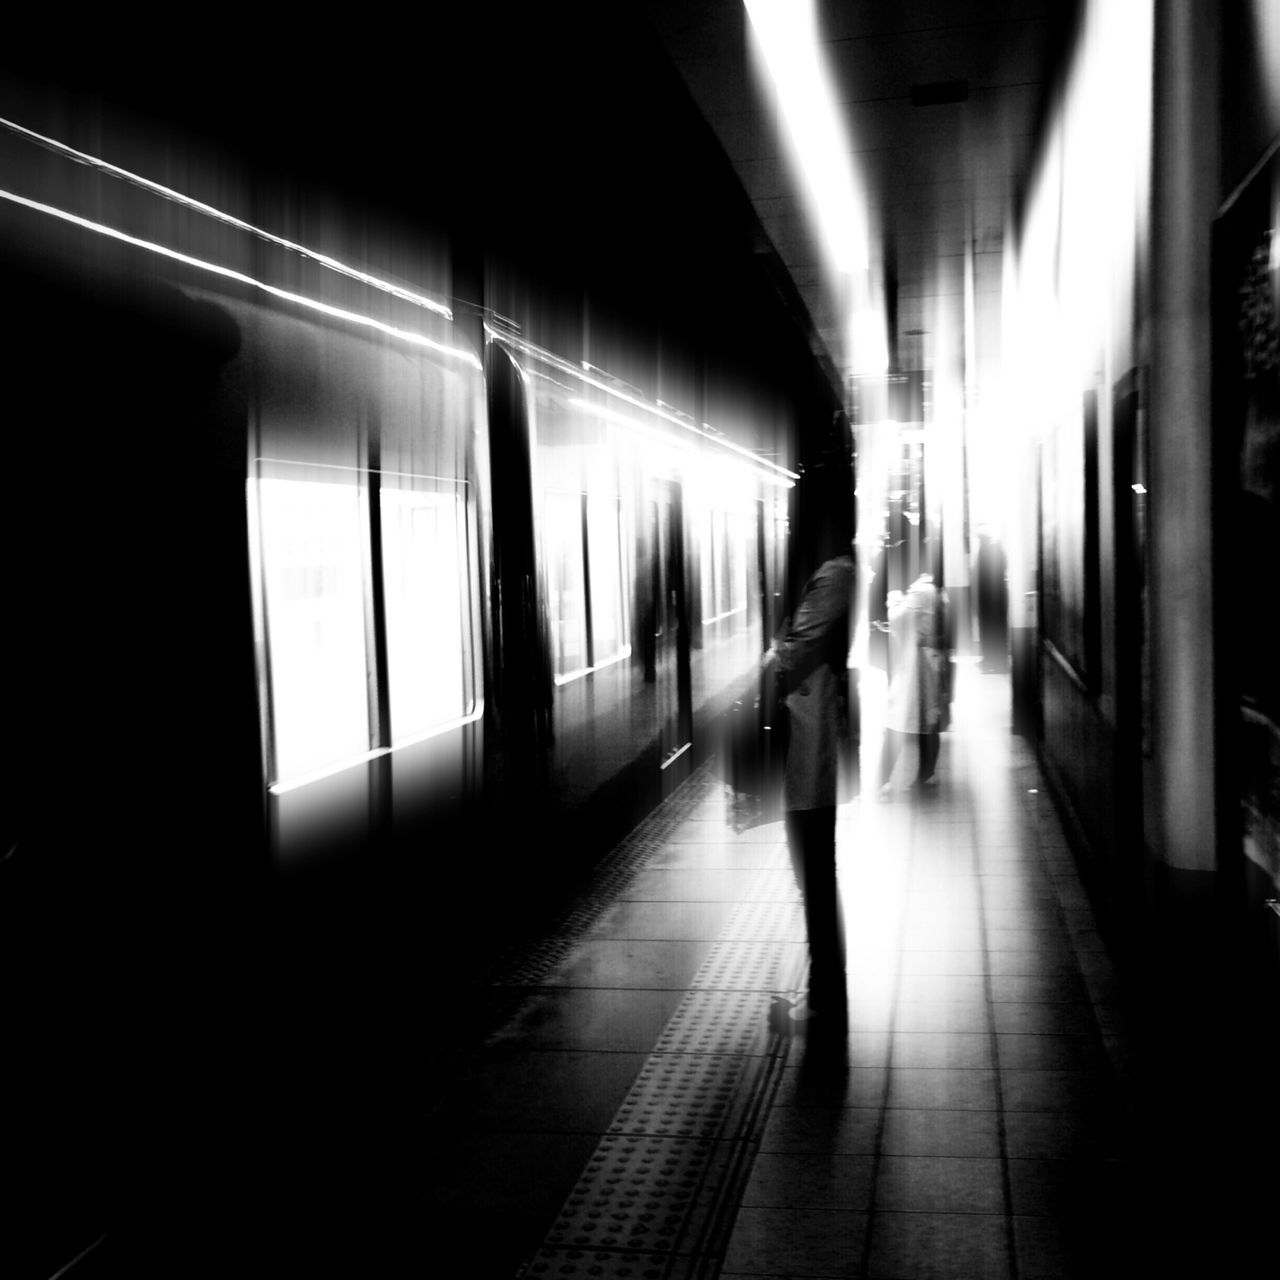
x=787, y=40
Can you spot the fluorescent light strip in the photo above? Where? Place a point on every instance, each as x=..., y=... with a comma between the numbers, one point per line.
x=787, y=37
x=456, y=481
x=353, y=317
x=664, y=437
x=636, y=401
x=83, y=157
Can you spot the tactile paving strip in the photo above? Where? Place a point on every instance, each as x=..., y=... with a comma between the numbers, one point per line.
x=778, y=884
x=734, y=1022
x=639, y=1194
x=529, y=960
x=776, y=921
x=751, y=966
x=654, y=1200
x=606, y=1264
x=686, y=1095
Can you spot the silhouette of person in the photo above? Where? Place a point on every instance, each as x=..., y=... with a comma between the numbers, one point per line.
x=810, y=654
x=993, y=603
x=914, y=704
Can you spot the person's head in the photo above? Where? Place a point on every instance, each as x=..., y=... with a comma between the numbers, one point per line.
x=831, y=538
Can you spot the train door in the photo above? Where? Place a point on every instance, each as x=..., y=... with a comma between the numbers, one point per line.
x=518, y=743
x=669, y=666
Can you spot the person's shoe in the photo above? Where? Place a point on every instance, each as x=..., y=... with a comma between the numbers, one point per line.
x=885, y=793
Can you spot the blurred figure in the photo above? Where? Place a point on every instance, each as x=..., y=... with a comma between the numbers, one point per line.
x=993, y=603
x=917, y=638
x=810, y=656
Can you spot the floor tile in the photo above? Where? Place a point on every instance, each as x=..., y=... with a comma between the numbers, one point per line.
x=1066, y=988
x=1073, y=1134
x=663, y=964
x=1012, y=1018
x=934, y=1132
x=939, y=1246
x=535, y=1090
x=941, y=1049
x=796, y=1242
x=498, y=1191
x=721, y=856
x=810, y=1180
x=972, y=1016
x=840, y=1130
x=691, y=885
x=1051, y=1053
x=591, y=1018
x=1053, y=1090
x=939, y=1184
x=971, y=962
x=657, y=920
x=960, y=987
x=946, y=1089
x=835, y=1085
x=974, y=1067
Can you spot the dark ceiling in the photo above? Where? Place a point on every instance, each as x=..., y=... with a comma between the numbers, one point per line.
x=942, y=101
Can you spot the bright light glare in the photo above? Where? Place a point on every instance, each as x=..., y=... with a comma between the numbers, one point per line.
x=775, y=474
x=425, y=596
x=314, y=589
x=83, y=157
x=787, y=37
x=227, y=273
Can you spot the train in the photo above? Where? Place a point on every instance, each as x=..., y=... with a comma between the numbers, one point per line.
x=346, y=612
x=453, y=566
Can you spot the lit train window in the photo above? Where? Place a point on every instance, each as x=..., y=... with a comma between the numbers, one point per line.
x=584, y=636
x=428, y=619
x=320, y=617
x=604, y=561
x=741, y=536
x=725, y=560
x=312, y=541
x=566, y=580
x=711, y=568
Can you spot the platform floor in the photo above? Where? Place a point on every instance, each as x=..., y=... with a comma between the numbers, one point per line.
x=634, y=1096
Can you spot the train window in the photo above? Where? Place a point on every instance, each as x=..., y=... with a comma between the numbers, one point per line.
x=428, y=620
x=711, y=570
x=604, y=561
x=566, y=580
x=312, y=540
x=740, y=534
x=583, y=550
x=725, y=562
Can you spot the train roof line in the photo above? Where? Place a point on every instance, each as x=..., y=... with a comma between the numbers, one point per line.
x=240, y=277
x=593, y=376
x=178, y=197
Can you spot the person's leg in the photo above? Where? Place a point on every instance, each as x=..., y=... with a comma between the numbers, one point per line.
x=889, y=752
x=814, y=856
x=794, y=821
x=930, y=746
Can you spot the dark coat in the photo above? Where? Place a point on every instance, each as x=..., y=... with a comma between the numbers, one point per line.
x=812, y=657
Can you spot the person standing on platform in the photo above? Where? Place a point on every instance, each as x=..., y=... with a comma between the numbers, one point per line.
x=810, y=656
x=993, y=603
x=914, y=705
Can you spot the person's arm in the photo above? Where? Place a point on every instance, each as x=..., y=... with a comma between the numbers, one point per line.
x=804, y=649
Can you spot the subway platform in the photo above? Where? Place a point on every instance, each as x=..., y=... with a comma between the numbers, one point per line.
x=634, y=1095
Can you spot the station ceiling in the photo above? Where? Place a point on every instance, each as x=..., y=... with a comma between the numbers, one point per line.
x=942, y=101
